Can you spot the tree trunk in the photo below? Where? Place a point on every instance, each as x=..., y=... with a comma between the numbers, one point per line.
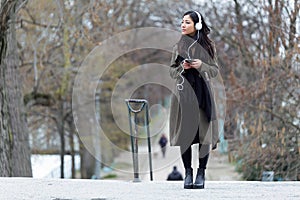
x=87, y=163
x=61, y=131
x=14, y=144
x=71, y=124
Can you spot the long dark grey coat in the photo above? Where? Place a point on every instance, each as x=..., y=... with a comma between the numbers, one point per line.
x=185, y=115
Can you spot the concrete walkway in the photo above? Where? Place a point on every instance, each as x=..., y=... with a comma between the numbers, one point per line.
x=222, y=182
x=218, y=169
x=75, y=189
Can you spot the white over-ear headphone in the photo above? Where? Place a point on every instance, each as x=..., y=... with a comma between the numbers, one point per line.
x=198, y=25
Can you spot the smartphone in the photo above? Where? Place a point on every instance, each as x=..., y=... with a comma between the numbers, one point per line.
x=189, y=60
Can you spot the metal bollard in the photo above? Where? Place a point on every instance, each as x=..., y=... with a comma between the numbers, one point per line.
x=134, y=136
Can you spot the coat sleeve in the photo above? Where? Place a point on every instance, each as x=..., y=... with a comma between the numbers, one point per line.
x=175, y=65
x=209, y=66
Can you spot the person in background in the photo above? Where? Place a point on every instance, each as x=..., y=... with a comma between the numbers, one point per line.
x=175, y=175
x=163, y=141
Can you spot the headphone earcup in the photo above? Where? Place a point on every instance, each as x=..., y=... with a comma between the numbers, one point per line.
x=198, y=26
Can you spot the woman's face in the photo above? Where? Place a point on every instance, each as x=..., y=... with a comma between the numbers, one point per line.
x=187, y=26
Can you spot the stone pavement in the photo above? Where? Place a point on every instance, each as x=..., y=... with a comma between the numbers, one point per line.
x=76, y=189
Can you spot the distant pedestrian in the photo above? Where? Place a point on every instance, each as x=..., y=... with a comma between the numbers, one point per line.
x=163, y=141
x=175, y=175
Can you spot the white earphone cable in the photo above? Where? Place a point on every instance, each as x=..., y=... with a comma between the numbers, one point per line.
x=180, y=85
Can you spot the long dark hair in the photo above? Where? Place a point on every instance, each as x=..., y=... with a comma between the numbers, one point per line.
x=203, y=40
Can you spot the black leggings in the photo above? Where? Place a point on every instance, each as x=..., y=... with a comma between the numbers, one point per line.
x=203, y=156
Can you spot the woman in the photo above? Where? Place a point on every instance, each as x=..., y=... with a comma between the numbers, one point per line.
x=193, y=111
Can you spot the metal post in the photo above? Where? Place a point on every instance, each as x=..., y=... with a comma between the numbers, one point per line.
x=149, y=140
x=134, y=152
x=134, y=136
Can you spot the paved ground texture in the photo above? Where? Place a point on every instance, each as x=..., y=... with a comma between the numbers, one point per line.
x=218, y=168
x=68, y=189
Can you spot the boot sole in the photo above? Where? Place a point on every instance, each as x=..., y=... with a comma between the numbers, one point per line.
x=198, y=187
x=188, y=187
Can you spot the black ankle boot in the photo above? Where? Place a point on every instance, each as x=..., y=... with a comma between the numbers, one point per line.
x=188, y=180
x=200, y=178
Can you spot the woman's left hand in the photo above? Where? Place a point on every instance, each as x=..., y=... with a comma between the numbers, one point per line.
x=196, y=63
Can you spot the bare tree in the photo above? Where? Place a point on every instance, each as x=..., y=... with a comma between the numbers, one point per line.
x=53, y=42
x=14, y=145
x=258, y=45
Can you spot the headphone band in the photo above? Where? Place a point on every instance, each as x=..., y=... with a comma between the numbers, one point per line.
x=198, y=25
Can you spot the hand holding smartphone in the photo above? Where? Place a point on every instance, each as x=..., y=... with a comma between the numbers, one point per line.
x=189, y=60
